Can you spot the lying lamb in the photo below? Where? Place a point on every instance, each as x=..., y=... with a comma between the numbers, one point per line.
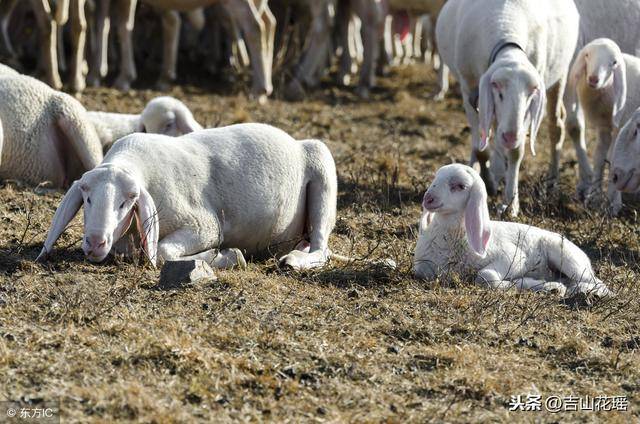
x=162, y=115
x=45, y=135
x=250, y=187
x=608, y=86
x=511, y=58
x=503, y=254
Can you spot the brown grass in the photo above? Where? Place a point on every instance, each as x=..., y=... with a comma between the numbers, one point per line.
x=347, y=343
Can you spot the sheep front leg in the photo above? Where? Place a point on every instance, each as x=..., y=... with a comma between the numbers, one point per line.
x=491, y=278
x=6, y=48
x=171, y=23
x=49, y=36
x=576, y=128
x=476, y=156
x=556, y=112
x=600, y=158
x=78, y=39
x=99, y=63
x=511, y=198
x=373, y=20
x=125, y=19
x=185, y=244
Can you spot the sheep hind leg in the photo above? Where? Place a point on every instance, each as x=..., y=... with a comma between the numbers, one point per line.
x=492, y=279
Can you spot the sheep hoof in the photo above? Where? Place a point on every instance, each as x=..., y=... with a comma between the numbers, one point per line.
x=294, y=261
x=439, y=96
x=122, y=84
x=294, y=91
x=555, y=288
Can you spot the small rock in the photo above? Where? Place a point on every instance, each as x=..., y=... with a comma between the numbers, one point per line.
x=176, y=274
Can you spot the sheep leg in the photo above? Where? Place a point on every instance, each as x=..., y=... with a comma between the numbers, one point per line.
x=171, y=23
x=49, y=36
x=373, y=19
x=574, y=264
x=125, y=19
x=443, y=81
x=481, y=157
x=614, y=196
x=343, y=21
x=99, y=66
x=556, y=112
x=78, y=39
x=6, y=10
x=511, y=198
x=576, y=130
x=491, y=278
x=600, y=158
x=185, y=244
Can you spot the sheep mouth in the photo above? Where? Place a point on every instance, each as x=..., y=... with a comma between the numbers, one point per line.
x=432, y=208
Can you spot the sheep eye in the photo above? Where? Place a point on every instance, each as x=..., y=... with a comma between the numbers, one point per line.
x=458, y=187
x=615, y=62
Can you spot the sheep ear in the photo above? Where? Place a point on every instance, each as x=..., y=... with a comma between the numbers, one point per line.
x=476, y=218
x=578, y=69
x=68, y=209
x=148, y=226
x=536, y=112
x=486, y=107
x=620, y=90
x=186, y=123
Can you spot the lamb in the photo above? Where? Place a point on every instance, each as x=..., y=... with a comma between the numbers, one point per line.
x=608, y=87
x=617, y=21
x=248, y=188
x=162, y=115
x=509, y=56
x=457, y=234
x=45, y=135
x=625, y=156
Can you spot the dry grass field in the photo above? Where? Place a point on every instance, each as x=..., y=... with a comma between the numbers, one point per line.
x=343, y=344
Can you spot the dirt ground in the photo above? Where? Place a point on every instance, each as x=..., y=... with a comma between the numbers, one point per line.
x=344, y=344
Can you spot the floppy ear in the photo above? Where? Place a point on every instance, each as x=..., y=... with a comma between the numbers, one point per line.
x=425, y=220
x=148, y=225
x=68, y=208
x=619, y=89
x=476, y=218
x=536, y=112
x=486, y=106
x=578, y=69
x=185, y=122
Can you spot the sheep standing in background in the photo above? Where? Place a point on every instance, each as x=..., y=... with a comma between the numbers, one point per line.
x=515, y=54
x=625, y=156
x=608, y=87
x=45, y=135
x=617, y=21
x=162, y=115
x=457, y=234
x=249, y=186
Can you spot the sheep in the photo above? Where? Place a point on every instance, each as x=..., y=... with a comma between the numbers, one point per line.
x=625, y=162
x=162, y=115
x=608, y=86
x=617, y=21
x=248, y=188
x=456, y=234
x=45, y=135
x=509, y=56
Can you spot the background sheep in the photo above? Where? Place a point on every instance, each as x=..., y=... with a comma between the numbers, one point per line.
x=608, y=87
x=625, y=156
x=45, y=135
x=456, y=232
x=287, y=188
x=511, y=53
x=162, y=115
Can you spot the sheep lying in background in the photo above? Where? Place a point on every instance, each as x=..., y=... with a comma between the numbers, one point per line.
x=456, y=232
x=45, y=135
x=514, y=54
x=162, y=115
x=608, y=86
x=625, y=156
x=250, y=187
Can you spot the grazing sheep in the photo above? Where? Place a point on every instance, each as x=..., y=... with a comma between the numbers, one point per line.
x=608, y=87
x=625, y=156
x=162, y=115
x=617, y=21
x=457, y=234
x=249, y=186
x=515, y=54
x=45, y=135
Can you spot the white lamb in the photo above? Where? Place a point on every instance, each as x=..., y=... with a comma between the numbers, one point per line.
x=514, y=54
x=608, y=87
x=625, y=156
x=45, y=135
x=216, y=192
x=162, y=115
x=457, y=234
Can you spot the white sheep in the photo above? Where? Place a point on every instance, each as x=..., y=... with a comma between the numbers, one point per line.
x=45, y=135
x=456, y=234
x=608, y=87
x=617, y=21
x=162, y=115
x=248, y=188
x=515, y=54
x=625, y=156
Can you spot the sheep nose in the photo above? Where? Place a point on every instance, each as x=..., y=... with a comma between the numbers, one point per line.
x=594, y=80
x=96, y=241
x=509, y=139
x=428, y=200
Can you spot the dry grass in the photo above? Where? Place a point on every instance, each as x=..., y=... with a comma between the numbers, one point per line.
x=341, y=344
